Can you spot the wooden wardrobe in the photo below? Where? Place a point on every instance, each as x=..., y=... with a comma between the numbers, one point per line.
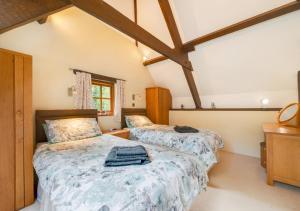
x=158, y=104
x=16, y=150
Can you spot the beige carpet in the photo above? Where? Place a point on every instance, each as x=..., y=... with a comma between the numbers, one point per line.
x=237, y=183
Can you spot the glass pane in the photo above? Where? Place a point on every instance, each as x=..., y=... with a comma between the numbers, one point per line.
x=96, y=91
x=97, y=104
x=105, y=91
x=105, y=105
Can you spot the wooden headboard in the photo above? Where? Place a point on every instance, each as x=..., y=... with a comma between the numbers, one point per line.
x=42, y=115
x=131, y=111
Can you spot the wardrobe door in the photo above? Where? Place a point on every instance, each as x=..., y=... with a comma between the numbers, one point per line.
x=152, y=104
x=164, y=106
x=7, y=138
x=19, y=131
x=28, y=132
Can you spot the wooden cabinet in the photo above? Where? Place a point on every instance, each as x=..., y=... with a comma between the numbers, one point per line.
x=158, y=104
x=283, y=154
x=16, y=177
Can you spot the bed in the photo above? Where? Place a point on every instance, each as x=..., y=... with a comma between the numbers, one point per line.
x=72, y=176
x=204, y=144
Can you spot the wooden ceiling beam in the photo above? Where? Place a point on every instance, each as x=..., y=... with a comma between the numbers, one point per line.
x=16, y=13
x=274, y=13
x=43, y=20
x=135, y=17
x=155, y=60
x=277, y=12
x=175, y=35
x=171, y=23
x=106, y=13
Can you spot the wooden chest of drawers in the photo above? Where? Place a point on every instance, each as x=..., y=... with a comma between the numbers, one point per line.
x=283, y=154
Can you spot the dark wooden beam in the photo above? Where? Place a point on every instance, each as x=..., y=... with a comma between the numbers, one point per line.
x=175, y=35
x=277, y=12
x=155, y=60
x=112, y=17
x=43, y=20
x=192, y=86
x=135, y=17
x=171, y=23
x=15, y=13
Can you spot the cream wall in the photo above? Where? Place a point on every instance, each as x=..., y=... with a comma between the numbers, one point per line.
x=241, y=130
x=74, y=39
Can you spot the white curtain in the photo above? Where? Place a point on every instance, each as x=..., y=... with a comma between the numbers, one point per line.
x=83, y=98
x=119, y=99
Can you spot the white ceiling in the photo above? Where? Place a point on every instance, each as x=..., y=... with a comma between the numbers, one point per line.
x=262, y=58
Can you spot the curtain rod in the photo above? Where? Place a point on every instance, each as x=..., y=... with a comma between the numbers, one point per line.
x=97, y=76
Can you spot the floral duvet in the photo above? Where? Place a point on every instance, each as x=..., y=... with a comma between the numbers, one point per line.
x=73, y=176
x=203, y=144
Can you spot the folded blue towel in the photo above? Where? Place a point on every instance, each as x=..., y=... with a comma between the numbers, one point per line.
x=131, y=151
x=114, y=160
x=185, y=129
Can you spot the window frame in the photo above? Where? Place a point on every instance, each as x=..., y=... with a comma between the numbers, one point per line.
x=112, y=96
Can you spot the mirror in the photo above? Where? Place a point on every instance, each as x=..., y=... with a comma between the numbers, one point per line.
x=289, y=116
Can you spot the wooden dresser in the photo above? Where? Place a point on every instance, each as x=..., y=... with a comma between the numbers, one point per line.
x=158, y=104
x=283, y=154
x=16, y=151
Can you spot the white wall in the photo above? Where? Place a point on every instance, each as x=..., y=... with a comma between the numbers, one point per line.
x=239, y=69
x=74, y=39
x=240, y=130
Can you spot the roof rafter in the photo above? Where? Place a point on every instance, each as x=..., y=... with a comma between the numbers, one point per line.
x=175, y=35
x=29, y=11
x=274, y=13
x=135, y=17
x=106, y=13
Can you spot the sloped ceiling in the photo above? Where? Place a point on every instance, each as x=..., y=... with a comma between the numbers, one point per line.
x=236, y=70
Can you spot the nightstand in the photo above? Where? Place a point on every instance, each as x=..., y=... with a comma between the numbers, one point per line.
x=122, y=133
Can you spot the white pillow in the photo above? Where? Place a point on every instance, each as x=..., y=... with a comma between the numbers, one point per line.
x=137, y=121
x=63, y=130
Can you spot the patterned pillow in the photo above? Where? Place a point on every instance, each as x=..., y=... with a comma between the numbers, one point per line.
x=63, y=130
x=137, y=121
x=46, y=131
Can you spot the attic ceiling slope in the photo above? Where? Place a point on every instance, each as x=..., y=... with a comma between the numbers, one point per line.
x=274, y=13
x=114, y=18
x=15, y=13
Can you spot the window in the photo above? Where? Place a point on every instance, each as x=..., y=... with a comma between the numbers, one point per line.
x=103, y=96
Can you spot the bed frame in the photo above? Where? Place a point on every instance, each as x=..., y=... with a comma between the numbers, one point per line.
x=129, y=112
x=42, y=115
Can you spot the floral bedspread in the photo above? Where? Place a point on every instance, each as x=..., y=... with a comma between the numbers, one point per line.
x=203, y=144
x=73, y=175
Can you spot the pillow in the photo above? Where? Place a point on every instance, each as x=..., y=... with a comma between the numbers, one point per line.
x=63, y=130
x=46, y=131
x=137, y=121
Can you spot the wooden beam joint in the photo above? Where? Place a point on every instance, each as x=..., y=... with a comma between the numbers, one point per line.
x=43, y=20
x=175, y=35
x=106, y=13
